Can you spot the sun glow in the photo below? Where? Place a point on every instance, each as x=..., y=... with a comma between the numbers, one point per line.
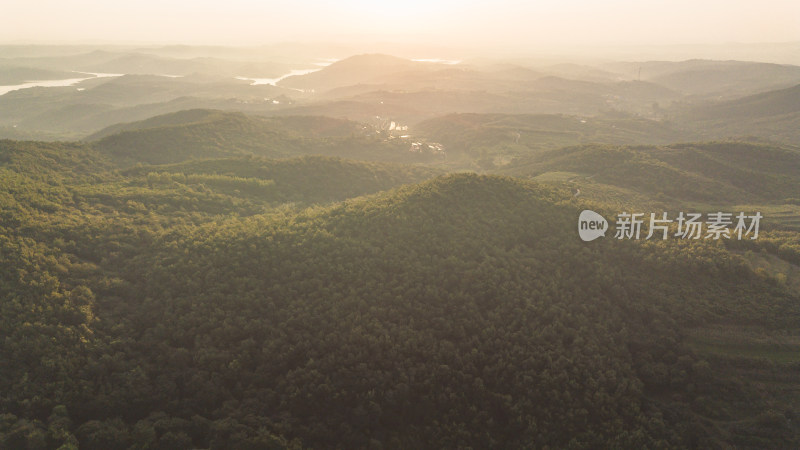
x=435, y=22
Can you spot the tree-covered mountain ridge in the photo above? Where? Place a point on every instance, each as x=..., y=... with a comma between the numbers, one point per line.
x=461, y=311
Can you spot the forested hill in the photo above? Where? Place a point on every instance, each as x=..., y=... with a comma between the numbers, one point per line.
x=773, y=115
x=461, y=311
x=482, y=135
x=203, y=134
x=758, y=106
x=305, y=180
x=317, y=126
x=50, y=182
x=716, y=172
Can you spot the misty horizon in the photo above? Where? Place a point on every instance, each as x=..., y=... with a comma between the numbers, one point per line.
x=306, y=52
x=505, y=24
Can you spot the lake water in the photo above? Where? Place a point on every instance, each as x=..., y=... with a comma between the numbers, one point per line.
x=254, y=81
x=56, y=83
x=274, y=81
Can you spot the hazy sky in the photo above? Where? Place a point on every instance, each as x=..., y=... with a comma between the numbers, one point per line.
x=502, y=22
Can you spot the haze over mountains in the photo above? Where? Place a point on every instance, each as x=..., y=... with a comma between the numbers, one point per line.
x=156, y=81
x=210, y=247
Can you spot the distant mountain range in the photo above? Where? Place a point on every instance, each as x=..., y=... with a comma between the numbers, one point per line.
x=687, y=97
